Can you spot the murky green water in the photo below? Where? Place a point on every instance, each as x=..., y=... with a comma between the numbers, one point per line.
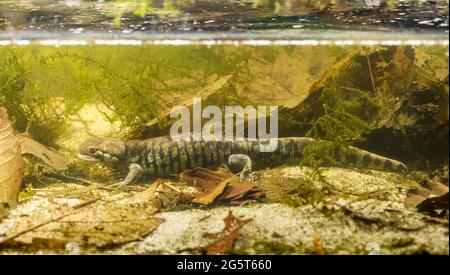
x=61, y=95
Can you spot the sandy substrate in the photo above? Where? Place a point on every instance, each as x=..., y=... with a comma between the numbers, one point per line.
x=367, y=215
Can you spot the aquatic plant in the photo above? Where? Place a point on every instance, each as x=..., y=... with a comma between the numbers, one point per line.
x=32, y=111
x=347, y=115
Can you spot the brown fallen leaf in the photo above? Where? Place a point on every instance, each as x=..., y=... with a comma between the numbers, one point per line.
x=434, y=204
x=217, y=191
x=95, y=224
x=150, y=196
x=317, y=245
x=225, y=240
x=11, y=163
x=204, y=180
x=210, y=184
x=241, y=192
x=46, y=154
x=214, y=187
x=423, y=190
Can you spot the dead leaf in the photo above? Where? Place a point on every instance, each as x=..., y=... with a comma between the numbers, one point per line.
x=241, y=192
x=150, y=196
x=211, y=184
x=93, y=224
x=210, y=197
x=317, y=245
x=214, y=187
x=225, y=240
x=204, y=180
x=423, y=190
x=11, y=163
x=47, y=155
x=434, y=204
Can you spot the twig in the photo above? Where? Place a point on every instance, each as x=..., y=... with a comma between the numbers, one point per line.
x=436, y=220
x=333, y=188
x=67, y=178
x=76, y=208
x=172, y=187
x=83, y=204
x=204, y=218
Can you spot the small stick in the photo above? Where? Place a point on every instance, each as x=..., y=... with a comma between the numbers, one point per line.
x=83, y=204
x=172, y=187
x=76, y=208
x=67, y=178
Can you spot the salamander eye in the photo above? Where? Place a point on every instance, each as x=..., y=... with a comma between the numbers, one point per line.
x=92, y=150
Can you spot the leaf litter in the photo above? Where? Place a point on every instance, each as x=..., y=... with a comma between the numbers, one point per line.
x=12, y=165
x=216, y=186
x=106, y=221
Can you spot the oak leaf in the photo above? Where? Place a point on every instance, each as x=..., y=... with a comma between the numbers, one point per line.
x=225, y=240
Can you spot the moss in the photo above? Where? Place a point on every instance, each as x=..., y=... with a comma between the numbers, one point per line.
x=31, y=110
x=348, y=114
x=26, y=193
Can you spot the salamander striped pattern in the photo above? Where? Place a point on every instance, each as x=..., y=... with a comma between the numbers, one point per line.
x=163, y=157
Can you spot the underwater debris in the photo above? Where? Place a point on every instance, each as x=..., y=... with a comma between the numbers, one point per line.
x=317, y=245
x=50, y=157
x=423, y=190
x=240, y=193
x=419, y=129
x=433, y=205
x=430, y=195
x=12, y=146
x=379, y=99
x=214, y=186
x=98, y=223
x=204, y=180
x=224, y=240
x=210, y=197
x=349, y=101
x=11, y=162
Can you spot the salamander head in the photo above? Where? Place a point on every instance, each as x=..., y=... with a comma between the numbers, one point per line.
x=109, y=151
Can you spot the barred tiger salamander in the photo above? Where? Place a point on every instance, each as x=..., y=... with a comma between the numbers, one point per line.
x=162, y=157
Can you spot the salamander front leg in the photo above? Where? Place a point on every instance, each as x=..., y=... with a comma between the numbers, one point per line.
x=133, y=176
x=240, y=163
